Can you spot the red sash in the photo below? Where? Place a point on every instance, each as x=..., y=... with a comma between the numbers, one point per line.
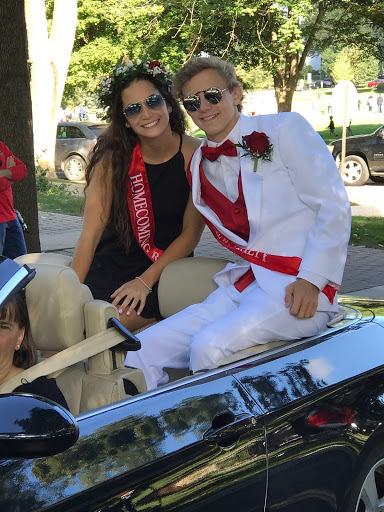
x=284, y=264
x=140, y=205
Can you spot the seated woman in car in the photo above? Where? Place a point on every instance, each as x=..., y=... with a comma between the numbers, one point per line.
x=18, y=351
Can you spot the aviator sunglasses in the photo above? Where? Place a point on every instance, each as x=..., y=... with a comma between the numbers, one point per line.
x=213, y=95
x=154, y=102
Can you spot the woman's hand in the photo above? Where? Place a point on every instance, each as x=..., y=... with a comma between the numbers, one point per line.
x=135, y=292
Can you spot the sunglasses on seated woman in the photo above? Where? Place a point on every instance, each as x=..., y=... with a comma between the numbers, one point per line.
x=154, y=102
x=213, y=95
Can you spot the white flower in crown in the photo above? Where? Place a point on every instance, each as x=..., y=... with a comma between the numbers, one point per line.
x=125, y=71
x=120, y=70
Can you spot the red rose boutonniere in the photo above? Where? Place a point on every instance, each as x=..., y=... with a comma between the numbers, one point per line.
x=256, y=145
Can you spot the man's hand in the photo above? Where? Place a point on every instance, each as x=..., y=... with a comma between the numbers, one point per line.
x=303, y=297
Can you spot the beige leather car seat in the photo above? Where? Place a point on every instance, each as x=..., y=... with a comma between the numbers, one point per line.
x=63, y=313
x=190, y=280
x=73, y=314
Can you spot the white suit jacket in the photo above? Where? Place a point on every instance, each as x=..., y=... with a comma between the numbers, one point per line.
x=296, y=203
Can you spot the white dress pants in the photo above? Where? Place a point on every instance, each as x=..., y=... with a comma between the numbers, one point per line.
x=226, y=322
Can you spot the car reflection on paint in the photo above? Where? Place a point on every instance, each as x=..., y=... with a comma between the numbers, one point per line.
x=296, y=428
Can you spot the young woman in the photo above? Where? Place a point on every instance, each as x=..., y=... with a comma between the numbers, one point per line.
x=18, y=352
x=138, y=214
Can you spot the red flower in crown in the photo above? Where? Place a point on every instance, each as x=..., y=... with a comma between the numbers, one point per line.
x=155, y=64
x=256, y=145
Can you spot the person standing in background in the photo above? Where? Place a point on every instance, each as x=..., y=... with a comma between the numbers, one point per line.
x=82, y=113
x=12, y=242
x=331, y=126
x=379, y=102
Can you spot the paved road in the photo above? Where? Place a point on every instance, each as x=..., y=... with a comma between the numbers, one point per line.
x=369, y=198
x=364, y=273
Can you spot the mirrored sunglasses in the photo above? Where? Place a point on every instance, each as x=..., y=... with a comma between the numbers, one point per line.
x=154, y=102
x=213, y=95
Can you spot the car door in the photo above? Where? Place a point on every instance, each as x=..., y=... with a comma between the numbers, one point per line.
x=70, y=139
x=61, y=144
x=374, y=148
x=194, y=445
x=310, y=399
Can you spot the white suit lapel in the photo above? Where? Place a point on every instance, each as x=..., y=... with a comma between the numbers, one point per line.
x=252, y=182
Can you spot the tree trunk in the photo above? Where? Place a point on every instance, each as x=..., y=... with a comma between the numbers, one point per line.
x=288, y=71
x=16, y=111
x=283, y=94
x=49, y=60
x=285, y=80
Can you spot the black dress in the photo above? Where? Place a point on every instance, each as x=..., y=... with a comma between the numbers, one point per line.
x=114, y=264
x=44, y=387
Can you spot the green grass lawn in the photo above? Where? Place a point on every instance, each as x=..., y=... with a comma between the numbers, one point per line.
x=368, y=232
x=59, y=202
x=358, y=129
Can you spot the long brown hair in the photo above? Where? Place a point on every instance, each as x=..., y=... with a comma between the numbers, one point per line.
x=15, y=310
x=115, y=146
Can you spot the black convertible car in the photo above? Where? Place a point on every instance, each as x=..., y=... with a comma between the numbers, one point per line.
x=296, y=427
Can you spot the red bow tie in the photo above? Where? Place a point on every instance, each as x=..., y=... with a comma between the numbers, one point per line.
x=227, y=148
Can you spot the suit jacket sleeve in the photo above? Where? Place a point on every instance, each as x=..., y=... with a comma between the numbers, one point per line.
x=318, y=184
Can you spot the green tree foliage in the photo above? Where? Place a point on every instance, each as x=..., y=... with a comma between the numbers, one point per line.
x=328, y=57
x=353, y=64
x=254, y=78
x=276, y=35
x=105, y=29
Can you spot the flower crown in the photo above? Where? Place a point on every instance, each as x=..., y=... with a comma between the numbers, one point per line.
x=124, y=71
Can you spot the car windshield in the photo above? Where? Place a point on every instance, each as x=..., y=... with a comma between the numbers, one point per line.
x=98, y=129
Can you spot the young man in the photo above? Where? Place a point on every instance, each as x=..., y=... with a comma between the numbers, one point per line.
x=12, y=169
x=286, y=213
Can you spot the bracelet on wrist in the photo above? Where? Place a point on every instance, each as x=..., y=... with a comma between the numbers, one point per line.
x=145, y=284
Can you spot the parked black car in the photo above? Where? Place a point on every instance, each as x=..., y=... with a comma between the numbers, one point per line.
x=327, y=82
x=73, y=143
x=312, y=85
x=364, y=157
x=295, y=428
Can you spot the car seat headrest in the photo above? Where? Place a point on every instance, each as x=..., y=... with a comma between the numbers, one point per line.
x=55, y=300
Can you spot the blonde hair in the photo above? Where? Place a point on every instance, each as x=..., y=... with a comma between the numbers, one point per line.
x=196, y=65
